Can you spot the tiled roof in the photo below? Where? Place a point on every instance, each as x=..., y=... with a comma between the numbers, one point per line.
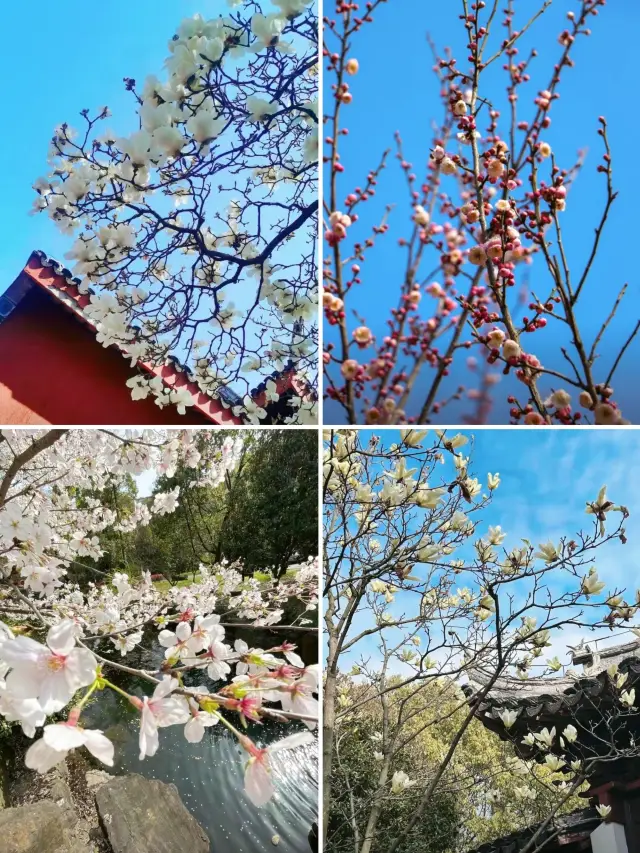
x=550, y=696
x=58, y=282
x=569, y=828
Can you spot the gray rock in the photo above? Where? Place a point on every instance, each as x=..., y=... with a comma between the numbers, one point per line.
x=96, y=778
x=38, y=828
x=147, y=816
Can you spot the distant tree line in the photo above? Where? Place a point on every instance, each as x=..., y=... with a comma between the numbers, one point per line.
x=265, y=514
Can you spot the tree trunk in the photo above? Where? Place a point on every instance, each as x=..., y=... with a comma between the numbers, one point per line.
x=328, y=723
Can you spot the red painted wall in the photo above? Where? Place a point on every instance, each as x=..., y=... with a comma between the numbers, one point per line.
x=53, y=371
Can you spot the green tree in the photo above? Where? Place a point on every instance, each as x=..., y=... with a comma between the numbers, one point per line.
x=272, y=515
x=477, y=800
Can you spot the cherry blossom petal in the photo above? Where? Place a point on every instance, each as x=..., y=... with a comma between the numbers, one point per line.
x=81, y=668
x=55, y=692
x=292, y=742
x=148, y=739
x=294, y=659
x=61, y=637
x=167, y=639
x=24, y=682
x=63, y=737
x=170, y=712
x=99, y=746
x=42, y=758
x=165, y=687
x=22, y=650
x=194, y=730
x=257, y=782
x=183, y=631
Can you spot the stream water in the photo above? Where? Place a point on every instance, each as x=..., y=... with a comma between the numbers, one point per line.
x=209, y=775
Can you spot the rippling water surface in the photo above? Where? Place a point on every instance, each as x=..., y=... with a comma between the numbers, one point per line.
x=209, y=775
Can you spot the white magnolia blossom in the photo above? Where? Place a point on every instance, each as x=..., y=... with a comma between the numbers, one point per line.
x=161, y=254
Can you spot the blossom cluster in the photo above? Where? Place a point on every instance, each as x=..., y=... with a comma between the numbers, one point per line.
x=62, y=642
x=172, y=262
x=488, y=204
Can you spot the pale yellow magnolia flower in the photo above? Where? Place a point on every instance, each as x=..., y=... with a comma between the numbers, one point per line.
x=546, y=737
x=493, y=481
x=485, y=552
x=508, y=718
x=473, y=486
x=591, y=585
x=628, y=697
x=496, y=535
x=547, y=552
x=621, y=679
x=427, y=498
x=525, y=793
x=554, y=763
x=413, y=437
x=400, y=782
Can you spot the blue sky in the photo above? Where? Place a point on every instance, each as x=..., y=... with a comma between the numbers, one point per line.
x=396, y=90
x=78, y=61
x=546, y=478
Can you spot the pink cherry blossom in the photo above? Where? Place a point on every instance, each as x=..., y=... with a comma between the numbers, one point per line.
x=52, y=673
x=159, y=711
x=258, y=783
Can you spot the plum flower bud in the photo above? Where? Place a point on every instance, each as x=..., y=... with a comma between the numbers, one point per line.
x=495, y=169
x=533, y=419
x=544, y=149
x=586, y=400
x=606, y=415
x=350, y=368
x=560, y=399
x=438, y=153
x=352, y=66
x=503, y=206
x=477, y=256
x=337, y=218
x=460, y=108
x=448, y=167
x=510, y=349
x=421, y=216
x=362, y=336
x=494, y=248
x=495, y=338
